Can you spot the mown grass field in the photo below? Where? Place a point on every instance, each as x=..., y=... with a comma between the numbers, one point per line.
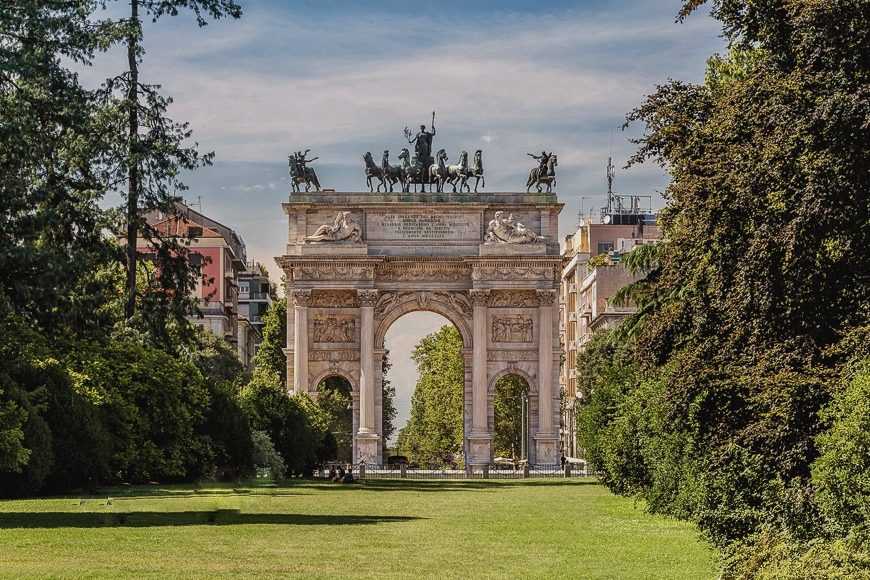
x=422, y=529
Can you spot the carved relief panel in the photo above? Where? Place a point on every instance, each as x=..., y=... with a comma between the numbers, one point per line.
x=334, y=329
x=513, y=328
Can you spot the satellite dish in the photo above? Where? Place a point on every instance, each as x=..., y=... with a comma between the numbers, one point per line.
x=606, y=219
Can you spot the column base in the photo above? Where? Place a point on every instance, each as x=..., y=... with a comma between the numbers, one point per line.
x=546, y=449
x=479, y=449
x=367, y=445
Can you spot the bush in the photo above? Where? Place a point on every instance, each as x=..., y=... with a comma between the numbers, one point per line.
x=153, y=403
x=842, y=472
x=771, y=556
x=265, y=455
x=284, y=418
x=228, y=431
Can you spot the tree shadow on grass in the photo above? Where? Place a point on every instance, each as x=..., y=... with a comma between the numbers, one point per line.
x=224, y=517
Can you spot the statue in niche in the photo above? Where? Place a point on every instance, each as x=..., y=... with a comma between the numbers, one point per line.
x=343, y=228
x=504, y=230
x=512, y=329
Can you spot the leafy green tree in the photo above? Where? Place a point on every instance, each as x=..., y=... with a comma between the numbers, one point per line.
x=51, y=182
x=388, y=407
x=510, y=392
x=270, y=353
x=13, y=453
x=433, y=434
x=154, y=403
x=842, y=471
x=334, y=397
x=710, y=407
x=155, y=152
x=286, y=420
x=265, y=455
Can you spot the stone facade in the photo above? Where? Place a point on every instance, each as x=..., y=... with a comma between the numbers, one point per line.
x=426, y=252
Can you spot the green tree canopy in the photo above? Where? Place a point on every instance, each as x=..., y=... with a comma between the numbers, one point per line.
x=434, y=430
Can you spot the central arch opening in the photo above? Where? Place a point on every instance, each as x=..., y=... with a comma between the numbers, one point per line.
x=427, y=376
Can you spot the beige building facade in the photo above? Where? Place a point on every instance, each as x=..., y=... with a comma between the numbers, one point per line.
x=585, y=293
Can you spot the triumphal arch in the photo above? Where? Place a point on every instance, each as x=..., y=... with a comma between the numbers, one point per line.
x=488, y=262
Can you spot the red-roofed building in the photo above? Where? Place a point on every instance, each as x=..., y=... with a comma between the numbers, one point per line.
x=221, y=254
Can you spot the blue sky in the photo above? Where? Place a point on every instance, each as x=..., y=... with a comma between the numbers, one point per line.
x=344, y=78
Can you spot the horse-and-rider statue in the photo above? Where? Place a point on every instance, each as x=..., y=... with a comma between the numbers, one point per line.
x=424, y=167
x=544, y=173
x=300, y=173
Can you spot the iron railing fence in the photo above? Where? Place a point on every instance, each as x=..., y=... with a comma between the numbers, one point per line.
x=371, y=472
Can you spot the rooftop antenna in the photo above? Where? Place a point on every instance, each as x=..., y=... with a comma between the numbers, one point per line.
x=611, y=172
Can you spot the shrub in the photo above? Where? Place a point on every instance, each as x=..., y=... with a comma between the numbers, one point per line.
x=842, y=472
x=265, y=455
x=284, y=418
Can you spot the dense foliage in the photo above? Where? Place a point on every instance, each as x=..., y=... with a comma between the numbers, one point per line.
x=270, y=352
x=733, y=398
x=103, y=378
x=433, y=434
x=508, y=408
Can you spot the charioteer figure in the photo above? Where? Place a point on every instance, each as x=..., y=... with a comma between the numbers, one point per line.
x=422, y=142
x=545, y=173
x=301, y=173
x=542, y=159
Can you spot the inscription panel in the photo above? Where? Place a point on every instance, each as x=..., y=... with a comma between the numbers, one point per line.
x=423, y=226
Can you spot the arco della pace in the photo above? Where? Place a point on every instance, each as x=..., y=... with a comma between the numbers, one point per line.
x=489, y=263
x=356, y=262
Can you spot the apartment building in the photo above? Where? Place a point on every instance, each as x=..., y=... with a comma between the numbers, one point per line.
x=588, y=285
x=255, y=297
x=220, y=252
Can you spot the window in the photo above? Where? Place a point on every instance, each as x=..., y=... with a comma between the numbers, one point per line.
x=604, y=247
x=194, y=231
x=196, y=260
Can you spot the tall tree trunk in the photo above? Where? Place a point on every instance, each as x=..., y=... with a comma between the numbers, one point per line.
x=133, y=153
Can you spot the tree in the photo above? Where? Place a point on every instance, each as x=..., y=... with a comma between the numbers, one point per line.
x=284, y=418
x=270, y=353
x=51, y=182
x=711, y=408
x=388, y=407
x=510, y=393
x=433, y=433
x=153, y=160
x=335, y=398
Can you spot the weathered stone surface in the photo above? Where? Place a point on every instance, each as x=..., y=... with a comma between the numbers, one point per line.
x=425, y=252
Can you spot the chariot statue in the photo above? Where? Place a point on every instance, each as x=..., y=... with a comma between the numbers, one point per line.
x=544, y=173
x=423, y=168
x=300, y=173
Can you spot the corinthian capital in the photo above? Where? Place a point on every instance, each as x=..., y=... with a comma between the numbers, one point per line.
x=479, y=297
x=301, y=297
x=367, y=297
x=546, y=297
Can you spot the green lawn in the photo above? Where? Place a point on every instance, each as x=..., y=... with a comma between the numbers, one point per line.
x=450, y=529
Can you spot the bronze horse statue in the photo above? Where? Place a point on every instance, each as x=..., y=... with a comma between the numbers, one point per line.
x=546, y=177
x=373, y=171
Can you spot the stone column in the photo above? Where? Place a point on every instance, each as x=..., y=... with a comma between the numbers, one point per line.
x=367, y=436
x=301, y=300
x=479, y=438
x=546, y=438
